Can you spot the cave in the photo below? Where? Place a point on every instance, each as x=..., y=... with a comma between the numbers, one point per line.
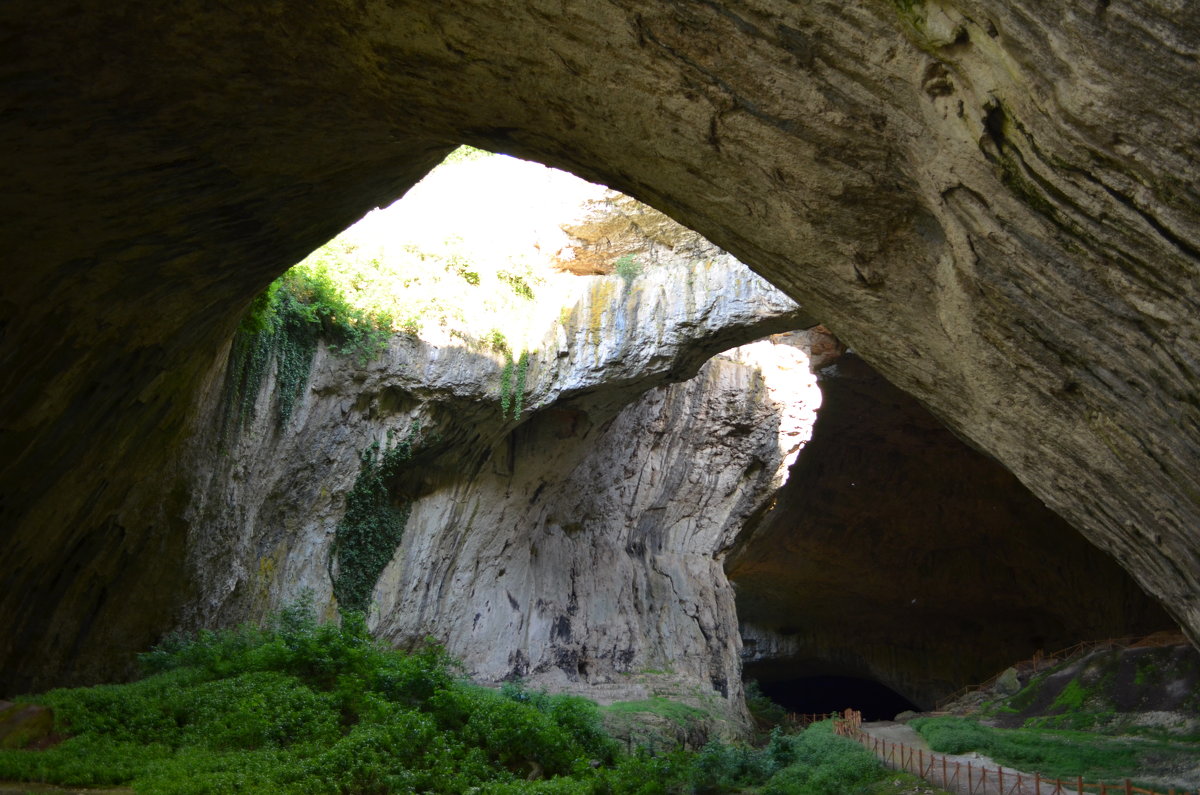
x=900, y=553
x=1017, y=256
x=822, y=694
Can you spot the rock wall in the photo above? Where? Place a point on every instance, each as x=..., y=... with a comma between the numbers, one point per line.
x=896, y=552
x=578, y=546
x=994, y=203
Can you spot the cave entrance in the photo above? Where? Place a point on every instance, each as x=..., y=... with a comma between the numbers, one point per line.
x=824, y=693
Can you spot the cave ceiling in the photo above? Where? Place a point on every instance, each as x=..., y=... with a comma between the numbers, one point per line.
x=993, y=204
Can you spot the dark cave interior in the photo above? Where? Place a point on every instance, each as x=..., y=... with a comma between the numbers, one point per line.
x=806, y=695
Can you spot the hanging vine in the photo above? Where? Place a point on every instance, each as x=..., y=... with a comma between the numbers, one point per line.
x=284, y=326
x=373, y=525
x=512, y=385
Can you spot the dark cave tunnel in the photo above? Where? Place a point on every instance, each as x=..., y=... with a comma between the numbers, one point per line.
x=808, y=694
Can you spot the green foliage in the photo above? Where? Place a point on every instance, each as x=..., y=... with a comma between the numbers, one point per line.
x=496, y=340
x=458, y=264
x=679, y=713
x=371, y=529
x=723, y=768
x=297, y=706
x=813, y=762
x=512, y=385
x=1071, y=697
x=1059, y=754
x=952, y=735
x=284, y=325
x=517, y=283
x=764, y=711
x=823, y=763
x=627, y=268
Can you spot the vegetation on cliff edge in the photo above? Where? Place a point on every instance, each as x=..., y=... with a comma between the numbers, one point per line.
x=283, y=326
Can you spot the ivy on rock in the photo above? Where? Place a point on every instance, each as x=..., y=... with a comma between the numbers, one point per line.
x=285, y=325
x=367, y=537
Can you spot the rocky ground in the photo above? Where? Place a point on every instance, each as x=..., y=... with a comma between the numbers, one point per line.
x=1122, y=694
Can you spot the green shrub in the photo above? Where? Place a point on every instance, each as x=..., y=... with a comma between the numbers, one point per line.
x=824, y=764
x=627, y=268
x=952, y=735
x=765, y=711
x=297, y=706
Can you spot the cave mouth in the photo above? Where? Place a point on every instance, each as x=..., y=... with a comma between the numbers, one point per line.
x=808, y=695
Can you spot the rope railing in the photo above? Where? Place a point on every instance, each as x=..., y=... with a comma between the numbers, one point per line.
x=971, y=779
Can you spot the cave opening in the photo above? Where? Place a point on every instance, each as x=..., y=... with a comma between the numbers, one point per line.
x=817, y=694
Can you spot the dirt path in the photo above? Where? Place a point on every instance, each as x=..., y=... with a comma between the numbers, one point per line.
x=963, y=773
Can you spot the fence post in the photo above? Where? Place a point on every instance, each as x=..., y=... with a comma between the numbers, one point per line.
x=1079, y=784
x=1037, y=784
x=943, y=770
x=1128, y=787
x=921, y=762
x=970, y=780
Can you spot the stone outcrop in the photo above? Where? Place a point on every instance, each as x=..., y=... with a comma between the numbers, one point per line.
x=578, y=546
x=617, y=226
x=895, y=552
x=994, y=204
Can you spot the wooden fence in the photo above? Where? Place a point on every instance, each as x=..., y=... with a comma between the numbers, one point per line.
x=971, y=779
x=801, y=721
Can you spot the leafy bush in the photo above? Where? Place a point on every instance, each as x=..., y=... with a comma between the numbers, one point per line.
x=813, y=762
x=627, y=268
x=298, y=706
x=764, y=711
x=952, y=735
x=824, y=764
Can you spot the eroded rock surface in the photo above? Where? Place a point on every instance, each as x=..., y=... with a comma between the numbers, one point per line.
x=993, y=203
x=896, y=552
x=577, y=547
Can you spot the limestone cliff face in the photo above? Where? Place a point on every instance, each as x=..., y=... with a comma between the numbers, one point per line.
x=577, y=546
x=995, y=204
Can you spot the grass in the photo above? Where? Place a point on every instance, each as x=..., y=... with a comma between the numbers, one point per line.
x=675, y=711
x=298, y=706
x=1056, y=754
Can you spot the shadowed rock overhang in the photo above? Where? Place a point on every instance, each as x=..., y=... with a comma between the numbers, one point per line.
x=994, y=204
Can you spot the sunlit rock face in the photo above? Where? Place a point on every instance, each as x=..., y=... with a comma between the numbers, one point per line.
x=897, y=553
x=578, y=546
x=992, y=203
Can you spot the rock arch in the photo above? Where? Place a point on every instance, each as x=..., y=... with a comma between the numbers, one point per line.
x=995, y=204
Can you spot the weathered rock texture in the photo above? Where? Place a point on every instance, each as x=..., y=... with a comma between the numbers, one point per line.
x=993, y=203
x=579, y=547
x=618, y=226
x=896, y=552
